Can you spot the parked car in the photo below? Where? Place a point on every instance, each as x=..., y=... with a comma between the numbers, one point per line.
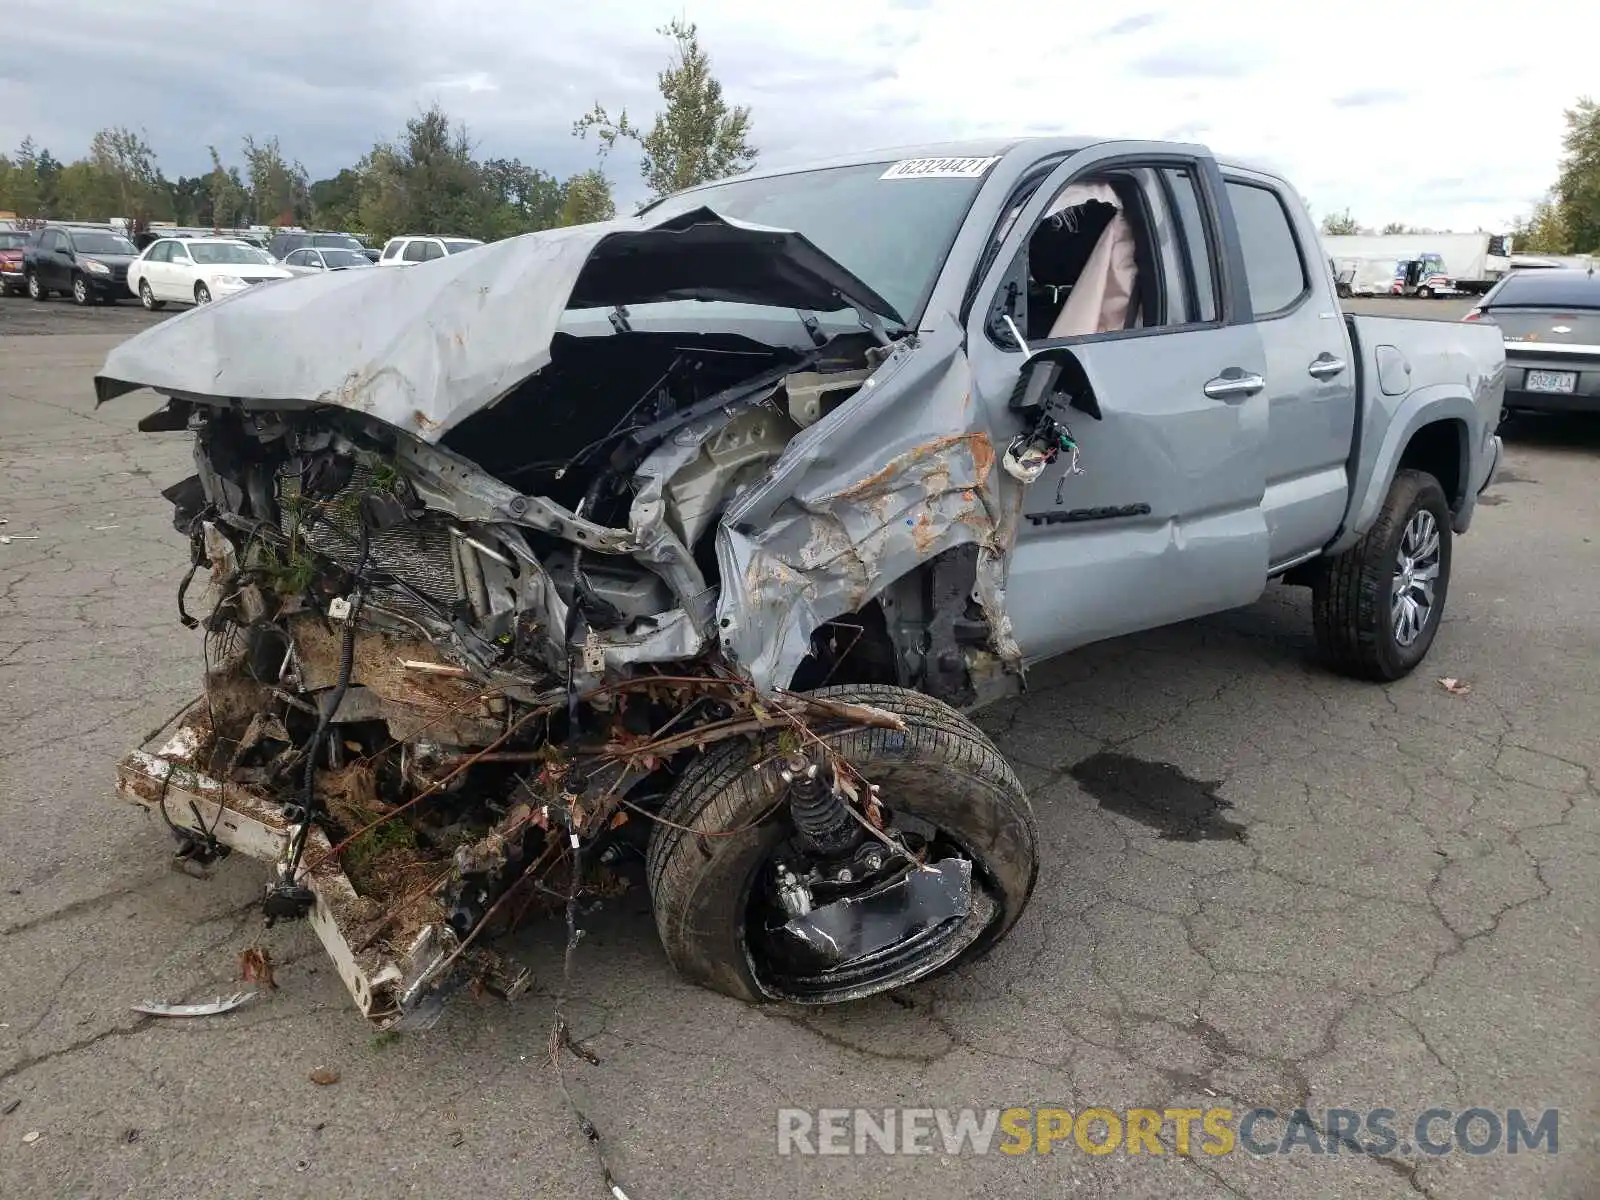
x=13, y=280
x=723, y=578
x=89, y=264
x=406, y=251
x=309, y=260
x=198, y=271
x=281, y=244
x=1550, y=320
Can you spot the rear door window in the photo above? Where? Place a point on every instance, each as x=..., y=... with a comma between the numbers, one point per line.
x=431, y=250
x=1272, y=263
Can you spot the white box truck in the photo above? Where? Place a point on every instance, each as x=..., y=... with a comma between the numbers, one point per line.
x=1473, y=262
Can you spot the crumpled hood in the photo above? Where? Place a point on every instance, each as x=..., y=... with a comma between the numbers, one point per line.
x=426, y=347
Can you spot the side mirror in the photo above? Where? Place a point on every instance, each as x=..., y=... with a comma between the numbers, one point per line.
x=1048, y=373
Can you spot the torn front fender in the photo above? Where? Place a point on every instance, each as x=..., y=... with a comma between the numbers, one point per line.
x=904, y=471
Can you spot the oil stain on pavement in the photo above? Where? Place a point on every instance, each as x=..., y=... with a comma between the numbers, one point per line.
x=1159, y=795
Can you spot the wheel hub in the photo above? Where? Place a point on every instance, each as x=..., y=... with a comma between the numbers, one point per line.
x=1416, y=572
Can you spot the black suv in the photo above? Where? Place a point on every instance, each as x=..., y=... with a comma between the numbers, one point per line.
x=283, y=244
x=89, y=264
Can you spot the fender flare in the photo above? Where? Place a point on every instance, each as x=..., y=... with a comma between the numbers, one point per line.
x=1375, y=471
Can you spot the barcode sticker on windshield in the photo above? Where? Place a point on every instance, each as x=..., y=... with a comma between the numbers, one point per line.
x=939, y=168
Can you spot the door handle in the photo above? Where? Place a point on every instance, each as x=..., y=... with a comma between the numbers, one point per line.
x=1325, y=366
x=1233, y=385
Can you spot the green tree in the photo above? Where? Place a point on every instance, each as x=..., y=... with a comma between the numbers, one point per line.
x=1397, y=227
x=336, y=202
x=1577, y=188
x=127, y=161
x=279, y=191
x=426, y=182
x=191, y=200
x=524, y=198
x=1543, y=231
x=1340, y=224
x=47, y=170
x=587, y=197
x=696, y=137
x=230, y=201
x=20, y=190
x=84, y=192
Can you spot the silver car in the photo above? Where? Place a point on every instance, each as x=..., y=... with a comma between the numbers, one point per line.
x=311, y=260
x=687, y=540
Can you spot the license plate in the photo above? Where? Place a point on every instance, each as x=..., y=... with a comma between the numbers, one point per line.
x=1552, y=381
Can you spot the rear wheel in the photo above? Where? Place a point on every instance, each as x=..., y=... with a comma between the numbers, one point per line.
x=948, y=795
x=1377, y=606
x=36, y=289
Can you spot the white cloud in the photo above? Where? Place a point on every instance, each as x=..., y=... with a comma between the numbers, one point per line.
x=1418, y=112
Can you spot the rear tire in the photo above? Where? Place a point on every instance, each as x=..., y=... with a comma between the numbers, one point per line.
x=942, y=770
x=1353, y=597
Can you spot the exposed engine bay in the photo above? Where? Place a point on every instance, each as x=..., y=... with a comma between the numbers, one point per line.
x=455, y=675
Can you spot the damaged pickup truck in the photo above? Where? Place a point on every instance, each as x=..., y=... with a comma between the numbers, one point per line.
x=688, y=538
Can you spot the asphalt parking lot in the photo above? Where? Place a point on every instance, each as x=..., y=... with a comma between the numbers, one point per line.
x=1406, y=920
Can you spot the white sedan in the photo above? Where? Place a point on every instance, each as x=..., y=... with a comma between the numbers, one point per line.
x=198, y=270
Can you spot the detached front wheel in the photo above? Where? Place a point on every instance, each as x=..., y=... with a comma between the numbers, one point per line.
x=747, y=906
x=1377, y=606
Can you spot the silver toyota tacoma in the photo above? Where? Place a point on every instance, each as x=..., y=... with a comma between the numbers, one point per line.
x=677, y=546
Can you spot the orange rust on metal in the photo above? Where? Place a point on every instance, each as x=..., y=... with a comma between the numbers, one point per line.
x=880, y=480
x=982, y=456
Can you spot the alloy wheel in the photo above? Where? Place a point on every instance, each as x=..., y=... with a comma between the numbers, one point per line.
x=1415, y=574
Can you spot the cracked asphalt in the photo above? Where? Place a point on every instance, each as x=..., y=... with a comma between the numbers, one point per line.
x=1409, y=922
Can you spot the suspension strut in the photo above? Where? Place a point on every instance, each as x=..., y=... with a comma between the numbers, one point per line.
x=821, y=816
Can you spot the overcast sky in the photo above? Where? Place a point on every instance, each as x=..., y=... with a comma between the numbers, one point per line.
x=1426, y=111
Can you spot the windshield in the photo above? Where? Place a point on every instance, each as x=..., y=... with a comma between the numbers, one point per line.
x=457, y=245
x=101, y=243
x=893, y=233
x=344, y=258
x=342, y=241
x=228, y=252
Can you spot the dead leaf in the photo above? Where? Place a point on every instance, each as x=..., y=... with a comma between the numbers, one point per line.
x=619, y=819
x=1455, y=687
x=31, y=1138
x=323, y=1076
x=255, y=966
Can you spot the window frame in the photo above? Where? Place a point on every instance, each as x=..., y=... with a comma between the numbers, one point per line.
x=1308, y=286
x=1214, y=217
x=1208, y=234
